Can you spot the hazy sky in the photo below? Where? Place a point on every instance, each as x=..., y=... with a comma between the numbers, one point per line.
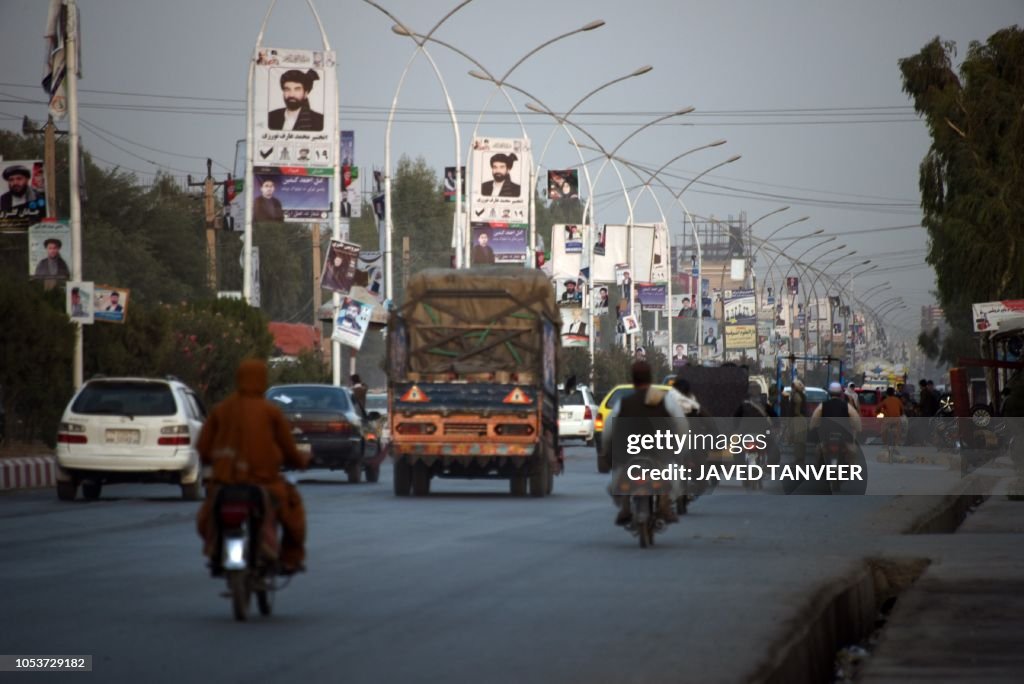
x=808, y=92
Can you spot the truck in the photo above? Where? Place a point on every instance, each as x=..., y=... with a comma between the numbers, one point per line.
x=472, y=362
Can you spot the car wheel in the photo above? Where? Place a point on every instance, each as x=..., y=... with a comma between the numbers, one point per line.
x=402, y=477
x=353, y=471
x=66, y=490
x=420, y=479
x=91, y=489
x=372, y=473
x=193, y=491
x=539, y=477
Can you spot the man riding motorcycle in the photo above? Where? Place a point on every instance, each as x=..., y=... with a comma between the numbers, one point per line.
x=246, y=439
x=645, y=402
x=836, y=415
x=892, y=412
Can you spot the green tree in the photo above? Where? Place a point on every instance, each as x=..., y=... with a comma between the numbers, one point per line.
x=972, y=179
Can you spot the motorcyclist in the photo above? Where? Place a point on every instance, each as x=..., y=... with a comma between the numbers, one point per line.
x=644, y=402
x=246, y=439
x=892, y=412
x=755, y=417
x=836, y=415
x=797, y=418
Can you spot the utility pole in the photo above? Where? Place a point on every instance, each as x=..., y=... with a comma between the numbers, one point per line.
x=317, y=293
x=406, y=262
x=210, y=210
x=49, y=132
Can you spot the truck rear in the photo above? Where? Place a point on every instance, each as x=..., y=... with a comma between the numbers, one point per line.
x=472, y=379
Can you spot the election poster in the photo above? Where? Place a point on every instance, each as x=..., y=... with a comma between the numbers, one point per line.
x=564, y=185
x=500, y=188
x=499, y=243
x=110, y=303
x=575, y=331
x=450, y=178
x=79, y=302
x=23, y=194
x=340, y=264
x=49, y=251
x=290, y=195
x=569, y=292
x=351, y=322
x=651, y=296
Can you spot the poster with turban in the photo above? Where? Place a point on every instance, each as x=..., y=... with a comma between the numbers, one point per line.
x=500, y=186
x=295, y=118
x=22, y=194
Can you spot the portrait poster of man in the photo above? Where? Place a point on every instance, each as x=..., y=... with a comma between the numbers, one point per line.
x=624, y=280
x=599, y=242
x=569, y=292
x=500, y=182
x=290, y=195
x=22, y=194
x=351, y=322
x=793, y=285
x=631, y=324
x=79, y=301
x=340, y=265
x=680, y=355
x=110, y=303
x=711, y=342
x=575, y=331
x=49, y=251
x=449, y=183
x=498, y=243
x=600, y=301
x=564, y=185
x=573, y=238
x=294, y=95
x=651, y=296
x=351, y=203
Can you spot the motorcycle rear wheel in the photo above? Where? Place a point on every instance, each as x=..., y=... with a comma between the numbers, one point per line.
x=265, y=601
x=238, y=585
x=646, y=534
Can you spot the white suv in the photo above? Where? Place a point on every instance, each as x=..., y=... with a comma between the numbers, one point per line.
x=130, y=430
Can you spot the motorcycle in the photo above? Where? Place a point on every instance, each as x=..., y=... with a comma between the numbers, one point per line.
x=834, y=454
x=247, y=547
x=645, y=501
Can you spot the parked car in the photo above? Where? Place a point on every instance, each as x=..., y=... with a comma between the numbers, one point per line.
x=326, y=418
x=576, y=413
x=130, y=430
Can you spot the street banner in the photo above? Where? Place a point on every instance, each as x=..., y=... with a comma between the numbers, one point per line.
x=110, y=304
x=449, y=183
x=740, y=337
x=351, y=322
x=575, y=331
x=569, y=292
x=370, y=274
x=648, y=252
x=988, y=315
x=564, y=185
x=79, y=302
x=348, y=149
x=59, y=27
x=295, y=120
x=739, y=307
x=339, y=271
x=500, y=190
x=49, y=251
x=566, y=261
x=711, y=341
x=651, y=296
x=609, y=250
x=291, y=194
x=23, y=200
x=498, y=243
x=573, y=236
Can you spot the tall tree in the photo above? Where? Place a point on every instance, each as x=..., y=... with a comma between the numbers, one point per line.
x=972, y=179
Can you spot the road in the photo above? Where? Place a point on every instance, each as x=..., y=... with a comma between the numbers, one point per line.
x=469, y=584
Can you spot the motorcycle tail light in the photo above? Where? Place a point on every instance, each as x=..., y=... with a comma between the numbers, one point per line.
x=233, y=514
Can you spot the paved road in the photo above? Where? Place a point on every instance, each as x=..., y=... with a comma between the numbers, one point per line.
x=466, y=585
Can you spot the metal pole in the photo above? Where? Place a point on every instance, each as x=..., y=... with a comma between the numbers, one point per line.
x=73, y=176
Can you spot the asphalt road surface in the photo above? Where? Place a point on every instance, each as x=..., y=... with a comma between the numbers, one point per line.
x=469, y=584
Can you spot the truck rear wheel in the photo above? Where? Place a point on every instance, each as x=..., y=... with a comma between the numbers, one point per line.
x=420, y=479
x=539, y=478
x=403, y=477
x=517, y=485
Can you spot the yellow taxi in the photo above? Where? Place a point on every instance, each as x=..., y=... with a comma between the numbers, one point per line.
x=608, y=404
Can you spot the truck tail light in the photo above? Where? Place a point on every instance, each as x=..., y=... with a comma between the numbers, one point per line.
x=514, y=430
x=415, y=428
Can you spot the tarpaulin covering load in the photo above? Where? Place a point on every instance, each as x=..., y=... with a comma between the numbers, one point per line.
x=484, y=320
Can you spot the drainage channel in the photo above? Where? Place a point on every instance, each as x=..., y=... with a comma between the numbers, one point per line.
x=843, y=623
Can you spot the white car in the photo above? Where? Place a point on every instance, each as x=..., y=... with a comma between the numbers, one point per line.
x=130, y=430
x=576, y=413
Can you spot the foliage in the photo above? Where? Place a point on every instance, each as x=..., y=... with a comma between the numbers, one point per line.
x=308, y=367
x=574, y=361
x=972, y=179
x=611, y=368
x=36, y=346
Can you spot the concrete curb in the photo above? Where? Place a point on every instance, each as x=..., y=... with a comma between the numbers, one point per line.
x=28, y=472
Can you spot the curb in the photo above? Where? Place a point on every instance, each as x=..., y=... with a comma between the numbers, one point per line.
x=27, y=473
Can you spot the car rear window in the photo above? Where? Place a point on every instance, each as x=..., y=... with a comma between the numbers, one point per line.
x=376, y=402
x=867, y=398
x=572, y=399
x=309, y=398
x=126, y=398
x=818, y=396
x=618, y=395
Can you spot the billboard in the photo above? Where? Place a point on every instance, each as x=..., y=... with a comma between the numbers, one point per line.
x=988, y=315
x=651, y=296
x=500, y=191
x=290, y=194
x=498, y=243
x=23, y=200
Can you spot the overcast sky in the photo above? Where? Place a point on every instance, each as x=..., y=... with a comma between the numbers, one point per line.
x=808, y=92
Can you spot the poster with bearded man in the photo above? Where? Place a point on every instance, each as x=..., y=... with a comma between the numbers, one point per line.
x=500, y=180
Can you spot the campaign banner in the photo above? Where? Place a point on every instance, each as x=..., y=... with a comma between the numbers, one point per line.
x=610, y=249
x=649, y=252
x=449, y=183
x=575, y=331
x=294, y=95
x=23, y=201
x=564, y=185
x=49, y=251
x=569, y=292
x=651, y=296
x=711, y=341
x=680, y=355
x=291, y=194
x=740, y=337
x=739, y=307
x=683, y=306
x=351, y=203
x=79, y=302
x=599, y=300
x=110, y=304
x=498, y=243
x=348, y=149
x=988, y=315
x=573, y=236
x=351, y=322
x=340, y=264
x=500, y=189
x=370, y=274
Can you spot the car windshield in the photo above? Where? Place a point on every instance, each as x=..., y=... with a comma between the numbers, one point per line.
x=309, y=398
x=126, y=399
x=377, y=402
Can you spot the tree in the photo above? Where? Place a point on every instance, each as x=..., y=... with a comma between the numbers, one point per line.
x=972, y=179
